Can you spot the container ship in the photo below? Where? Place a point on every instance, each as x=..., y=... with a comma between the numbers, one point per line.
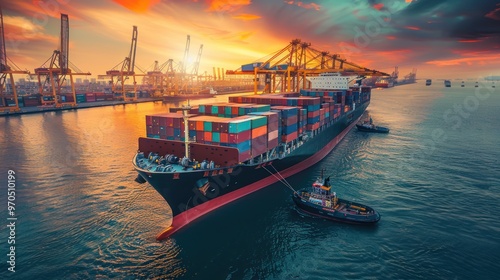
x=200, y=158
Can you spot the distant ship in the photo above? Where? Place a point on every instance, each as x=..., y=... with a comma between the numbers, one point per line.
x=463, y=84
x=477, y=84
x=428, y=82
x=206, y=93
x=385, y=82
x=447, y=83
x=201, y=160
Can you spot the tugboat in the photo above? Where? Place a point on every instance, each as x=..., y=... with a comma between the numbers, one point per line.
x=368, y=126
x=320, y=201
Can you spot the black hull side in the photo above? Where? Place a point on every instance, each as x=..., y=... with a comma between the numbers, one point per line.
x=183, y=193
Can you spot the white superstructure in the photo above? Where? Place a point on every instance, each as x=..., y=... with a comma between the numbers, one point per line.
x=330, y=81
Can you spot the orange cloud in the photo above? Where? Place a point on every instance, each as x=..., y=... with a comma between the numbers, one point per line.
x=226, y=5
x=378, y=6
x=246, y=17
x=137, y=6
x=469, y=41
x=471, y=58
x=304, y=5
x=20, y=29
x=495, y=14
x=412, y=27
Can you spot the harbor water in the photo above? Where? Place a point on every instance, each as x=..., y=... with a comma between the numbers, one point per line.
x=435, y=179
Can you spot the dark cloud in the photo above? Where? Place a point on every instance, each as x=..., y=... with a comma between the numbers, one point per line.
x=452, y=19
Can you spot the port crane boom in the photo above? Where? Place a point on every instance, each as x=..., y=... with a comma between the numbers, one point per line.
x=286, y=69
x=127, y=69
x=56, y=75
x=6, y=74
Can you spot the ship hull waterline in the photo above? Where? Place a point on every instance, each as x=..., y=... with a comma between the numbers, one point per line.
x=188, y=203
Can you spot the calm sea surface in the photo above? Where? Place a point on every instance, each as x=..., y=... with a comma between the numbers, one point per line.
x=435, y=178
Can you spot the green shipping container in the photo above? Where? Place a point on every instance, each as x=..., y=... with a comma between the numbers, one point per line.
x=258, y=121
x=216, y=137
x=207, y=126
x=215, y=110
x=239, y=126
x=80, y=98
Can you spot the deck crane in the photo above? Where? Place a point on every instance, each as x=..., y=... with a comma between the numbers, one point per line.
x=127, y=70
x=56, y=75
x=287, y=69
x=7, y=72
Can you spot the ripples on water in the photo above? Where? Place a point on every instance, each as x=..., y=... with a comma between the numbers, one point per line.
x=82, y=216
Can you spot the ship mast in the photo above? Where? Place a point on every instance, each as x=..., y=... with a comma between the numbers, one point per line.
x=185, y=111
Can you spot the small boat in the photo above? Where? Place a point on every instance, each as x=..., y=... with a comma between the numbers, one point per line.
x=463, y=84
x=368, y=126
x=319, y=200
x=447, y=83
x=428, y=82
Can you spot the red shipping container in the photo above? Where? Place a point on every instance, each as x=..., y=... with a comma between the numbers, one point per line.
x=290, y=120
x=169, y=122
x=289, y=137
x=312, y=126
x=163, y=131
x=200, y=136
x=170, y=131
x=272, y=126
x=177, y=123
x=313, y=114
x=162, y=121
x=246, y=155
x=235, y=138
x=259, y=145
x=149, y=120
x=90, y=97
x=156, y=130
x=272, y=143
x=149, y=130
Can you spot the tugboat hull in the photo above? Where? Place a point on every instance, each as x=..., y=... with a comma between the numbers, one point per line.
x=376, y=129
x=350, y=214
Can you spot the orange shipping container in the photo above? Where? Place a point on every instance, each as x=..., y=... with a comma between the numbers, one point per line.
x=224, y=137
x=208, y=136
x=259, y=131
x=199, y=126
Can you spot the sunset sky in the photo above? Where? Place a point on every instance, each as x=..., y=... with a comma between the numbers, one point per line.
x=441, y=38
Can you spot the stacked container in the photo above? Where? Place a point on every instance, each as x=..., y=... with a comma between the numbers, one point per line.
x=168, y=126
x=289, y=122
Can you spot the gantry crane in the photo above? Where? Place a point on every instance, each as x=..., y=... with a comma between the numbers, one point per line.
x=7, y=71
x=286, y=70
x=51, y=86
x=117, y=78
x=160, y=82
